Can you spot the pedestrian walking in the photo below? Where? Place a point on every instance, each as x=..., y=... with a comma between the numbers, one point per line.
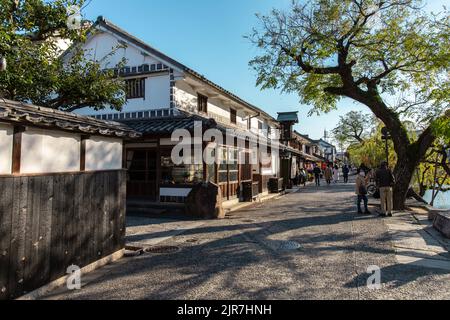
x=317, y=173
x=336, y=174
x=364, y=168
x=328, y=174
x=303, y=177
x=361, y=192
x=345, y=173
x=385, y=181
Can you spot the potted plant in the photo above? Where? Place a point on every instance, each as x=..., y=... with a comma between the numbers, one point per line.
x=186, y=176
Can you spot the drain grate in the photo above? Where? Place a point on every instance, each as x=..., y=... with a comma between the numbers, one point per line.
x=163, y=249
x=289, y=246
x=132, y=251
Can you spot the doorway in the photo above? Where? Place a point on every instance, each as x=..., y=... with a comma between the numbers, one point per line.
x=142, y=174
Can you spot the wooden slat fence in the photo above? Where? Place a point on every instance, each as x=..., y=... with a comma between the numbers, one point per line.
x=49, y=222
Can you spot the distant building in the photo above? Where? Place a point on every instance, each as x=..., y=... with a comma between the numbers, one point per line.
x=329, y=150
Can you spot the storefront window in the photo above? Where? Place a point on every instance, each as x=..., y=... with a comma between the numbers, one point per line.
x=223, y=167
x=233, y=166
x=179, y=174
x=229, y=167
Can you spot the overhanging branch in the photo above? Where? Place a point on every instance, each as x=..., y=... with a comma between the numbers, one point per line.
x=308, y=68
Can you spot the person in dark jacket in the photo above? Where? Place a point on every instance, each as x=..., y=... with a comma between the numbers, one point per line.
x=345, y=173
x=361, y=192
x=317, y=173
x=385, y=181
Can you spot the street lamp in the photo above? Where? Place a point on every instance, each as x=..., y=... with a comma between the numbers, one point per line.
x=386, y=135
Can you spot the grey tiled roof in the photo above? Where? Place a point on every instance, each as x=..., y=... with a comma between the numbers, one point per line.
x=166, y=125
x=31, y=115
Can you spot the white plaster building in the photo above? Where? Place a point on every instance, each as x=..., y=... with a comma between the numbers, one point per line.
x=163, y=95
x=36, y=140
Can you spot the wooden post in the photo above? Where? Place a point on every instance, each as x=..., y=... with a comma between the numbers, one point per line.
x=124, y=156
x=205, y=166
x=158, y=171
x=83, y=153
x=17, y=149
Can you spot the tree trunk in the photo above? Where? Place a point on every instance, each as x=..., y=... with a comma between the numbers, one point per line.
x=409, y=154
x=403, y=173
x=409, y=157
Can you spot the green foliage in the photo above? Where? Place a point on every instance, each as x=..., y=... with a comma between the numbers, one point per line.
x=426, y=173
x=392, y=46
x=373, y=151
x=371, y=51
x=441, y=129
x=353, y=127
x=31, y=34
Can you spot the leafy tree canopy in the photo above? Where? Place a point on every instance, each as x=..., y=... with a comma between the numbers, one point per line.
x=392, y=46
x=31, y=34
x=353, y=127
x=389, y=55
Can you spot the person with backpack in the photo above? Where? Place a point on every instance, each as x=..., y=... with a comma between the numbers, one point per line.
x=385, y=181
x=361, y=192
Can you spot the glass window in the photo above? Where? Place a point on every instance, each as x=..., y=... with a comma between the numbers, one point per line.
x=180, y=174
x=233, y=166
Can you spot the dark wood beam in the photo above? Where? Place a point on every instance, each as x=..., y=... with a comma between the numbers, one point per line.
x=83, y=152
x=158, y=171
x=17, y=149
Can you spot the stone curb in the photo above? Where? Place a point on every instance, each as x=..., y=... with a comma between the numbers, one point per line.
x=43, y=291
x=439, y=217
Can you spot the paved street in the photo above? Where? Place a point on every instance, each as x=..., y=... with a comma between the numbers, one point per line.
x=246, y=256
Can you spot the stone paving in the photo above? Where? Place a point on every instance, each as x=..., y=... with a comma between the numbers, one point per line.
x=305, y=245
x=416, y=242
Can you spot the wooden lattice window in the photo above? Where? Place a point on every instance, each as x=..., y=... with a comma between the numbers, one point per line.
x=202, y=103
x=233, y=116
x=135, y=88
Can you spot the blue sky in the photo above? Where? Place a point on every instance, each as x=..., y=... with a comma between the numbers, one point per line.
x=207, y=35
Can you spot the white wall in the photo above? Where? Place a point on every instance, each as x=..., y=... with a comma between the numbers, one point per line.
x=103, y=154
x=103, y=43
x=45, y=151
x=157, y=87
x=185, y=98
x=6, y=142
x=157, y=96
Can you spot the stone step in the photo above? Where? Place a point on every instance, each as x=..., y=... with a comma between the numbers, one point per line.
x=442, y=223
x=427, y=263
